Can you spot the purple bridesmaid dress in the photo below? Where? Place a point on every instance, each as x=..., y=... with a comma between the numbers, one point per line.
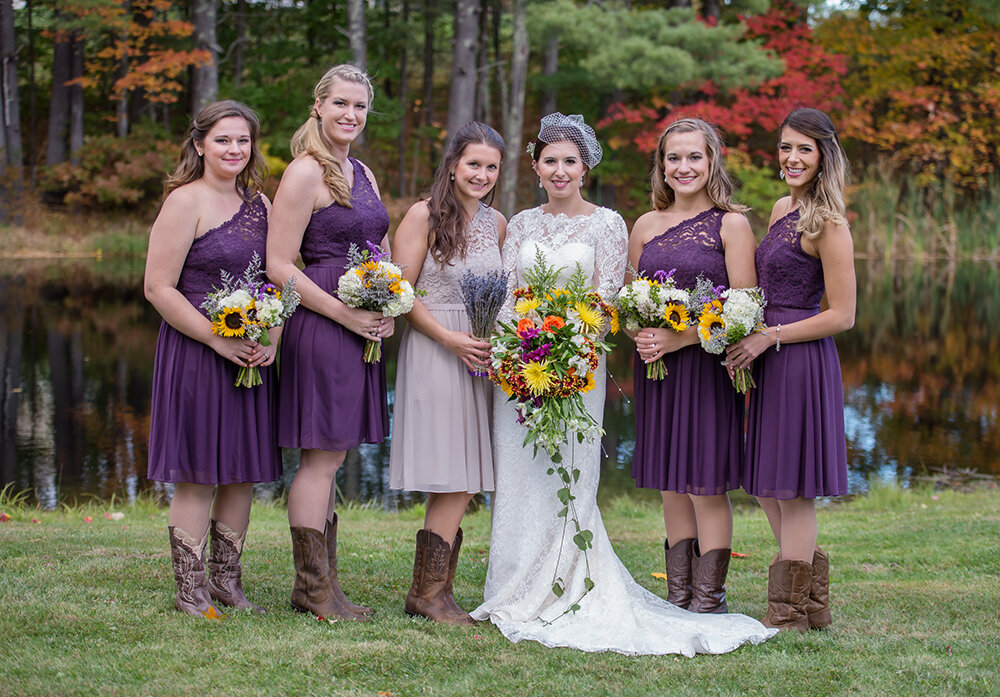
x=329, y=397
x=795, y=439
x=688, y=426
x=203, y=429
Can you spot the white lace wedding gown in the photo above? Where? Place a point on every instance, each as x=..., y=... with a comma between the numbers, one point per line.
x=618, y=614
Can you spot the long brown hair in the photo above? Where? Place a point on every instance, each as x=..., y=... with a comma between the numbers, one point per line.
x=191, y=165
x=309, y=136
x=824, y=199
x=719, y=187
x=448, y=219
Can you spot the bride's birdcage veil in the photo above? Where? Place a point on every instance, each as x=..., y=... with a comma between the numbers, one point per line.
x=558, y=127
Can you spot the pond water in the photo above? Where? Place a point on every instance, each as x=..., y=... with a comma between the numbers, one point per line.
x=920, y=369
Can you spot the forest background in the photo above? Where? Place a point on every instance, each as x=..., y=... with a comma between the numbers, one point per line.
x=96, y=96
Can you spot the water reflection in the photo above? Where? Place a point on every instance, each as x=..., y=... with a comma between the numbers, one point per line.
x=76, y=343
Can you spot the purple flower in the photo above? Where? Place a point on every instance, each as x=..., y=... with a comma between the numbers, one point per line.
x=538, y=354
x=520, y=417
x=527, y=334
x=662, y=276
x=377, y=253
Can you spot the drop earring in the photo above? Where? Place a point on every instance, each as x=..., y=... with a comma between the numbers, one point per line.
x=781, y=174
x=452, y=176
x=819, y=177
x=540, y=183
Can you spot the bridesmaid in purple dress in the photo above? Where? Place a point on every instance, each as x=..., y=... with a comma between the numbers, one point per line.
x=330, y=400
x=689, y=425
x=211, y=439
x=796, y=449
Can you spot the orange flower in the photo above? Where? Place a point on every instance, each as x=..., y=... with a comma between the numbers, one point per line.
x=552, y=323
x=523, y=326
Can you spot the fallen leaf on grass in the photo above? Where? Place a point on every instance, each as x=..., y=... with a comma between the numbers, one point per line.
x=659, y=574
x=4, y=518
x=384, y=693
x=738, y=554
x=88, y=519
x=35, y=520
x=476, y=636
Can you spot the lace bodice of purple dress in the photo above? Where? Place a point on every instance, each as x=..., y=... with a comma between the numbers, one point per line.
x=482, y=254
x=788, y=276
x=333, y=229
x=228, y=247
x=693, y=247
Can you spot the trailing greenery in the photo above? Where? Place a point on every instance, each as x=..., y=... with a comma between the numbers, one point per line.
x=85, y=608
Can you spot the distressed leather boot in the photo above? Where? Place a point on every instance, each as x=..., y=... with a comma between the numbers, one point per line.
x=428, y=595
x=818, y=609
x=678, y=561
x=312, y=591
x=331, y=549
x=788, y=583
x=708, y=581
x=225, y=584
x=452, y=568
x=187, y=556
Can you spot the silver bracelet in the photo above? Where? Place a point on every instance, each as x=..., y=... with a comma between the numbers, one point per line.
x=777, y=339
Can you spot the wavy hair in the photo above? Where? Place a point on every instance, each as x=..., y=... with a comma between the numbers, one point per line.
x=191, y=165
x=824, y=199
x=448, y=219
x=720, y=185
x=309, y=137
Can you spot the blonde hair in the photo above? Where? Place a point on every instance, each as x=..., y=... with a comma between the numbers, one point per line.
x=719, y=187
x=824, y=200
x=309, y=138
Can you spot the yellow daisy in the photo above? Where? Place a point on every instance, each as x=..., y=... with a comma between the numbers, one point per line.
x=526, y=306
x=677, y=316
x=537, y=379
x=231, y=322
x=591, y=383
x=615, y=326
x=591, y=319
x=710, y=322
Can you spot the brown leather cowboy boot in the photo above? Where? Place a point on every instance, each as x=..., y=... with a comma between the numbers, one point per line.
x=427, y=596
x=452, y=568
x=708, y=581
x=331, y=549
x=312, y=591
x=225, y=583
x=788, y=582
x=188, y=559
x=678, y=561
x=818, y=609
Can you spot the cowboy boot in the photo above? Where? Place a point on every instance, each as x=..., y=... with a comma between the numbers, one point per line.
x=678, y=560
x=187, y=556
x=312, y=591
x=788, y=582
x=708, y=581
x=427, y=596
x=452, y=568
x=225, y=583
x=331, y=548
x=818, y=609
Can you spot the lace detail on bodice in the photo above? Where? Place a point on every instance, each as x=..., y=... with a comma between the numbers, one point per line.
x=482, y=254
x=598, y=241
x=333, y=229
x=788, y=276
x=229, y=246
x=693, y=247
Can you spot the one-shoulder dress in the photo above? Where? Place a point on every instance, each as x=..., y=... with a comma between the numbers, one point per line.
x=689, y=425
x=442, y=415
x=796, y=445
x=329, y=397
x=203, y=429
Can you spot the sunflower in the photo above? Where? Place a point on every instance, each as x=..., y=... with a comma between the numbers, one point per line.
x=591, y=319
x=231, y=322
x=591, y=383
x=538, y=380
x=710, y=323
x=615, y=326
x=526, y=306
x=676, y=315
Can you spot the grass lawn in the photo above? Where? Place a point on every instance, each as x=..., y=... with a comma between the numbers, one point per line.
x=86, y=609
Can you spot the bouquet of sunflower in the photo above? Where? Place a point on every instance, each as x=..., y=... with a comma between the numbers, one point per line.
x=655, y=302
x=373, y=283
x=247, y=307
x=727, y=316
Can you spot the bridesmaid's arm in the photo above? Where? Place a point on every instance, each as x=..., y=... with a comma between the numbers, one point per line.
x=739, y=246
x=501, y=228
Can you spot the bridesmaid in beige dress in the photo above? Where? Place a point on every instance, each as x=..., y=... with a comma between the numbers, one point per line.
x=441, y=423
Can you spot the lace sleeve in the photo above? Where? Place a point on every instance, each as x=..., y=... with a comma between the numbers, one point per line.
x=511, y=247
x=611, y=254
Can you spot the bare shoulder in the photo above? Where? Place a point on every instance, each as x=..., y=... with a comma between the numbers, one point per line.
x=735, y=224
x=835, y=235
x=266, y=201
x=371, y=177
x=303, y=170
x=647, y=226
x=782, y=207
x=419, y=212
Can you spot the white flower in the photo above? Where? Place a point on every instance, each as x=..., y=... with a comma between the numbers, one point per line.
x=238, y=298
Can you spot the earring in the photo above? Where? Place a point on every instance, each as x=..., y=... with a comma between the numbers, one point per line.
x=200, y=153
x=781, y=173
x=452, y=176
x=540, y=183
x=819, y=176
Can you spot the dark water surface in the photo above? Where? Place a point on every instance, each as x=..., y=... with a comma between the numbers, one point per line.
x=921, y=385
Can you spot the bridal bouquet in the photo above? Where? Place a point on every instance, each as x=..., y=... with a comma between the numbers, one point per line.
x=483, y=296
x=728, y=316
x=247, y=308
x=371, y=282
x=654, y=302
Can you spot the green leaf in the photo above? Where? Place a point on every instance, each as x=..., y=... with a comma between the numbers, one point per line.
x=557, y=457
x=563, y=495
x=574, y=607
x=562, y=513
x=549, y=471
x=576, y=475
x=588, y=583
x=557, y=589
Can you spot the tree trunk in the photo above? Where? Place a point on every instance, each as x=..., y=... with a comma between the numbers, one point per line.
x=404, y=96
x=356, y=32
x=462, y=104
x=483, y=87
x=62, y=72
x=205, y=82
x=11, y=154
x=76, y=105
x=241, y=37
x=514, y=121
x=550, y=64
x=427, y=112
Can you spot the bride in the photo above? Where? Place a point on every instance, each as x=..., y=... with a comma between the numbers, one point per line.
x=617, y=614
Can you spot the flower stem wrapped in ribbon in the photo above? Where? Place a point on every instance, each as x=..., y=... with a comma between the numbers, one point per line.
x=655, y=302
x=247, y=308
x=727, y=316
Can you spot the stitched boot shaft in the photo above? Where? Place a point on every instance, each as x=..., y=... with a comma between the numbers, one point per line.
x=678, y=559
x=225, y=584
x=428, y=596
x=312, y=591
x=708, y=581
x=452, y=568
x=331, y=550
x=788, y=595
x=818, y=609
x=189, y=572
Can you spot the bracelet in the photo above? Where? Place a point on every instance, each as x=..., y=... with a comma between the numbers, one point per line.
x=777, y=339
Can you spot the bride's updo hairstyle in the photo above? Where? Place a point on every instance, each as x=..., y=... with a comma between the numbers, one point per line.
x=719, y=187
x=824, y=200
x=557, y=127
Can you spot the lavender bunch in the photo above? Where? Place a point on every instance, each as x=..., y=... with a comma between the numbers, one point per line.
x=483, y=296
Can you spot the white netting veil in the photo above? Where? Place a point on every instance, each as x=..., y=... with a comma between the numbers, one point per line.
x=558, y=127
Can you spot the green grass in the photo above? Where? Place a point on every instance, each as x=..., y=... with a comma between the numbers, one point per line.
x=86, y=609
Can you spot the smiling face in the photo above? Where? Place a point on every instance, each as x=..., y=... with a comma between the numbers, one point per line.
x=343, y=112
x=226, y=148
x=560, y=169
x=686, y=165
x=476, y=171
x=799, y=158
